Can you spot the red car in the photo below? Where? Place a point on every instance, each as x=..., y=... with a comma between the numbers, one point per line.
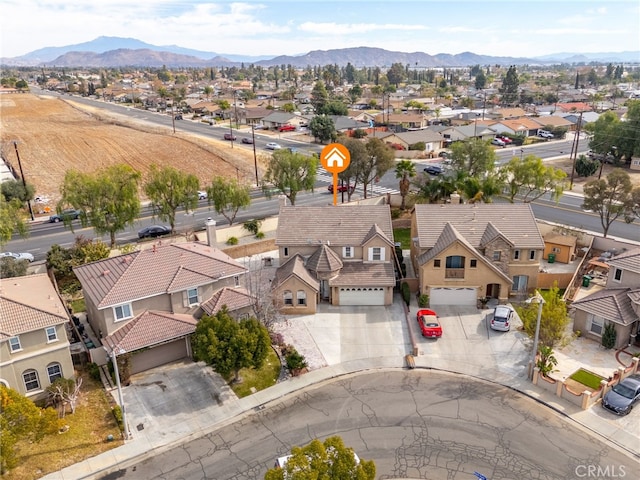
x=506, y=140
x=429, y=324
x=287, y=128
x=342, y=188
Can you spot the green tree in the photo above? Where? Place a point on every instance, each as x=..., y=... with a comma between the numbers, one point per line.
x=553, y=321
x=510, y=85
x=328, y=460
x=10, y=267
x=531, y=179
x=606, y=133
x=610, y=199
x=108, y=199
x=323, y=128
x=358, y=154
x=396, y=74
x=228, y=345
x=379, y=160
x=288, y=107
x=475, y=157
x=227, y=197
x=405, y=169
x=585, y=166
x=16, y=189
x=13, y=217
x=169, y=189
x=355, y=93
x=481, y=80
x=21, y=419
x=546, y=360
x=290, y=173
x=335, y=107
x=319, y=96
x=628, y=140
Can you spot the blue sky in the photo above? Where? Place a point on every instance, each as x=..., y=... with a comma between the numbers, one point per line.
x=287, y=27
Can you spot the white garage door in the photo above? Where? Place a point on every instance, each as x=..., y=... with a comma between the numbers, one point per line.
x=156, y=356
x=453, y=296
x=361, y=296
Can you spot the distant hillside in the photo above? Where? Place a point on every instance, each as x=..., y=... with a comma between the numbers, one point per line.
x=118, y=52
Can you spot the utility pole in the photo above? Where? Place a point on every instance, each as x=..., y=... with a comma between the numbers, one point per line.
x=24, y=182
x=574, y=150
x=255, y=158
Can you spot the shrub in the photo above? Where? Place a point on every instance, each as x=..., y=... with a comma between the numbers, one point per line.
x=420, y=146
x=396, y=213
x=252, y=226
x=406, y=293
x=423, y=300
x=609, y=336
x=232, y=241
x=586, y=166
x=260, y=235
x=294, y=360
x=359, y=133
x=94, y=371
x=117, y=413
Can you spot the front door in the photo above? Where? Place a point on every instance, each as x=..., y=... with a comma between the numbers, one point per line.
x=324, y=289
x=493, y=290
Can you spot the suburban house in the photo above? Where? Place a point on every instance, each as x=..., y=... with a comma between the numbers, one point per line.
x=278, y=119
x=433, y=141
x=34, y=346
x=464, y=252
x=525, y=126
x=618, y=303
x=340, y=255
x=148, y=301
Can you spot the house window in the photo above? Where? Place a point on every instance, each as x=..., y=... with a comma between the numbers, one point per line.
x=288, y=297
x=192, y=297
x=454, y=266
x=496, y=255
x=473, y=263
x=595, y=324
x=436, y=263
x=236, y=281
x=376, y=254
x=301, y=297
x=285, y=251
x=617, y=275
x=516, y=254
x=54, y=371
x=519, y=283
x=532, y=254
x=556, y=250
x=52, y=335
x=31, y=382
x=15, y=344
x=347, y=252
x=122, y=312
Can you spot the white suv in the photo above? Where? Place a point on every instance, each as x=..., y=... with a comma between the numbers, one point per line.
x=545, y=134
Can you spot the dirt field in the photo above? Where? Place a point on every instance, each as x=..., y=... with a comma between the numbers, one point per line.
x=56, y=134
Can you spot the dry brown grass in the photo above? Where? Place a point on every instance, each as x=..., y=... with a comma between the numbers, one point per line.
x=86, y=437
x=57, y=134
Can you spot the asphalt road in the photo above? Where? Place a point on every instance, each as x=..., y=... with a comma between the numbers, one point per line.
x=413, y=424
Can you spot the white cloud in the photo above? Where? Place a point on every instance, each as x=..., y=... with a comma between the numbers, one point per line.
x=355, y=28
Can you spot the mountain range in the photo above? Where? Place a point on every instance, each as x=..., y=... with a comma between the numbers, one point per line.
x=119, y=52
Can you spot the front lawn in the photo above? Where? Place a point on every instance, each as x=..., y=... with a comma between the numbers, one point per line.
x=265, y=377
x=587, y=378
x=403, y=235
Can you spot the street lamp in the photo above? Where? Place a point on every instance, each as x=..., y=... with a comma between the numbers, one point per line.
x=24, y=182
x=120, y=398
x=540, y=301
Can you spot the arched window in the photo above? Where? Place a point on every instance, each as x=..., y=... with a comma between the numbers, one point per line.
x=31, y=382
x=54, y=370
x=301, y=296
x=288, y=297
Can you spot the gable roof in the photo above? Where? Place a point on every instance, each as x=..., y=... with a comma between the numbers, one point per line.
x=148, y=329
x=294, y=267
x=324, y=260
x=155, y=271
x=611, y=303
x=629, y=260
x=29, y=303
x=514, y=221
x=332, y=225
x=520, y=124
x=234, y=298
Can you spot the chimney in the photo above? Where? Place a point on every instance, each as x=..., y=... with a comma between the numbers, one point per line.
x=282, y=201
x=210, y=226
x=455, y=199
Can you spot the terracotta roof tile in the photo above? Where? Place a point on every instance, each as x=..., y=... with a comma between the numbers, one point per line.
x=629, y=260
x=611, y=303
x=324, y=259
x=365, y=275
x=233, y=298
x=294, y=267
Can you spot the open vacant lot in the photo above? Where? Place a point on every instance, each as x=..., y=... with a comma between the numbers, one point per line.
x=56, y=134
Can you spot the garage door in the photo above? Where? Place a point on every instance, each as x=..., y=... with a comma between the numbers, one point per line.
x=361, y=296
x=156, y=356
x=453, y=296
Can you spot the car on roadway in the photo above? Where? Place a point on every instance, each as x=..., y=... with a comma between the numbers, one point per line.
x=229, y=136
x=434, y=169
x=502, y=318
x=66, y=214
x=202, y=195
x=273, y=146
x=342, y=188
x=429, y=323
x=287, y=128
x=498, y=142
x=154, y=231
x=622, y=397
x=18, y=256
x=247, y=140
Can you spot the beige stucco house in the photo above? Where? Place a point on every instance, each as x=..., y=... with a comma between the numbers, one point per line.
x=34, y=347
x=464, y=252
x=618, y=303
x=343, y=255
x=148, y=301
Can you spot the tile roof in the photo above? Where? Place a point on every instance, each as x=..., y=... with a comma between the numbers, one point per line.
x=148, y=329
x=610, y=303
x=294, y=267
x=339, y=226
x=365, y=275
x=514, y=221
x=156, y=271
x=567, y=240
x=29, y=303
x=520, y=124
x=234, y=299
x=324, y=260
x=629, y=260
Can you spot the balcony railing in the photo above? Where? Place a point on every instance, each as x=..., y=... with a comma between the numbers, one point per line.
x=454, y=273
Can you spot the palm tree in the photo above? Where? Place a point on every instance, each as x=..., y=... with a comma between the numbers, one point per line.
x=405, y=169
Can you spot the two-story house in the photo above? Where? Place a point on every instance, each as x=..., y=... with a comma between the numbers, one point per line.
x=343, y=255
x=618, y=303
x=148, y=301
x=461, y=253
x=34, y=347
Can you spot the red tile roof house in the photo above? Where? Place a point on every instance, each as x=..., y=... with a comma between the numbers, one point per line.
x=149, y=301
x=34, y=347
x=340, y=255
